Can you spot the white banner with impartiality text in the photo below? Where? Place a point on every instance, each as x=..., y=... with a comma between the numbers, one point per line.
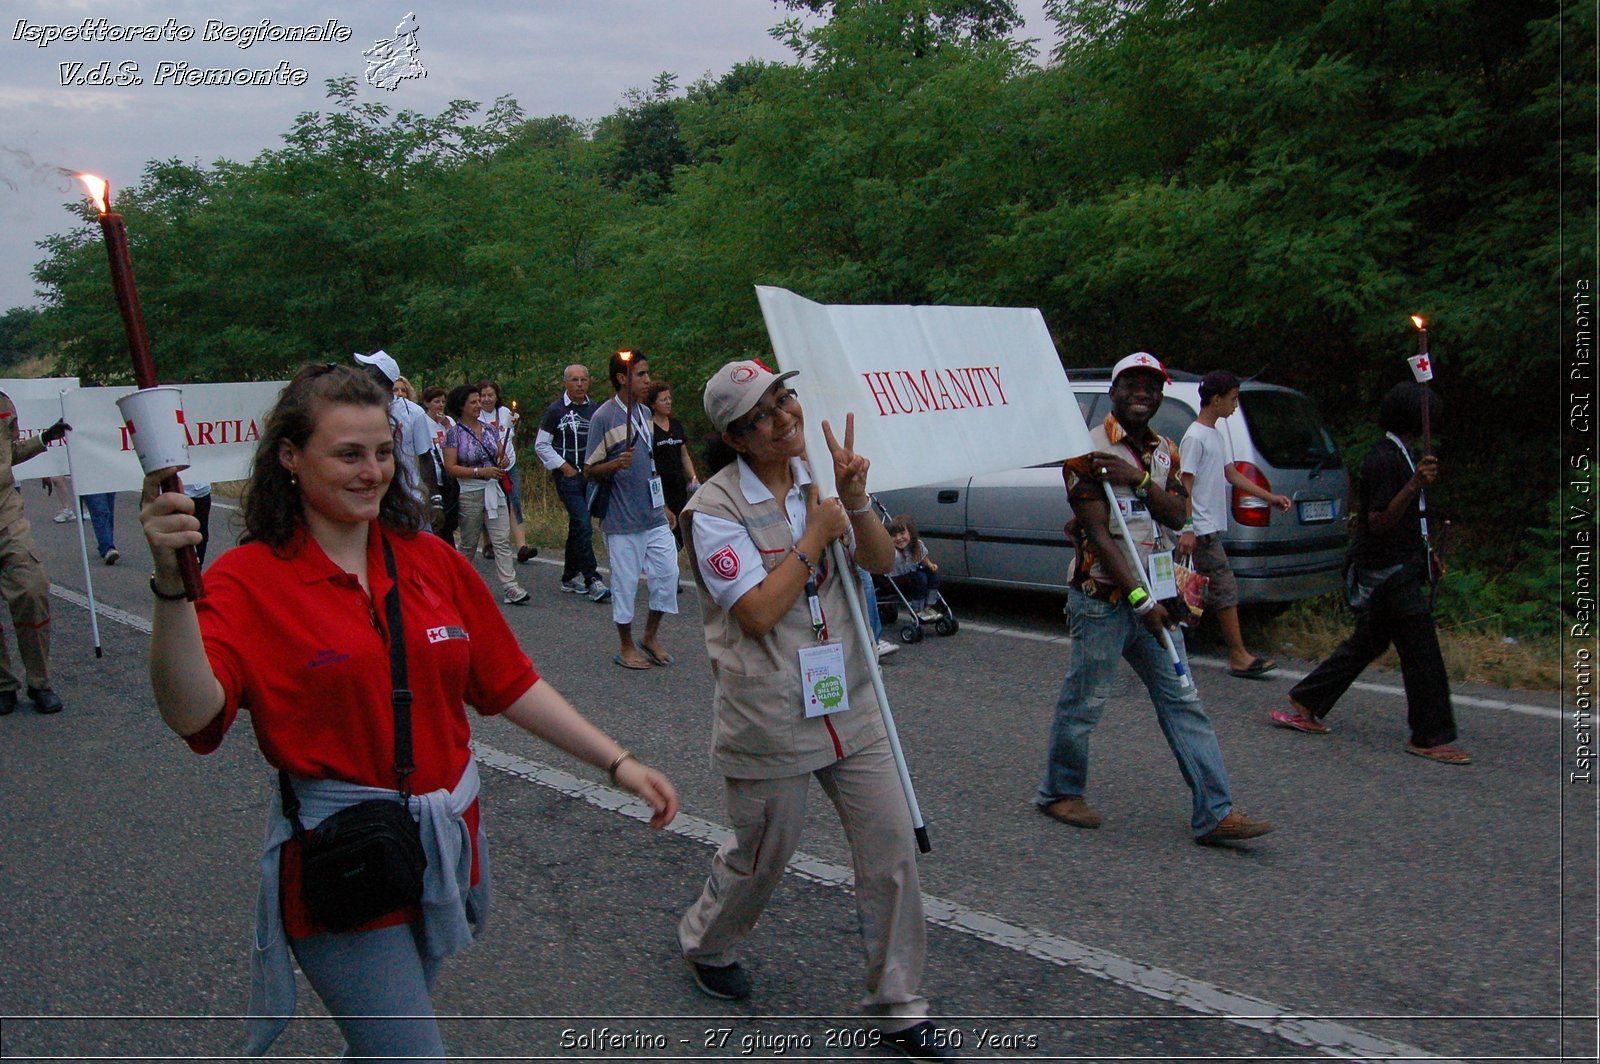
x=222, y=421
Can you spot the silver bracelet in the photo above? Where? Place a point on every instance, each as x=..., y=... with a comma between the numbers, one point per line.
x=867, y=509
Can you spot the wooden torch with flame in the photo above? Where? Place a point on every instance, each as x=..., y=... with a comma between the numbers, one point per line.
x=144, y=368
x=1423, y=370
x=627, y=382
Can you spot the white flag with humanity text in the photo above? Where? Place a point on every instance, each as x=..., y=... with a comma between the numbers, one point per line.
x=938, y=393
x=222, y=423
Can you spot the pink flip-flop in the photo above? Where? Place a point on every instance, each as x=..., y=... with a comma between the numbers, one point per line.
x=1284, y=718
x=1445, y=755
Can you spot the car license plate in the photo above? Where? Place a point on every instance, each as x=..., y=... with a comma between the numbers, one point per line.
x=1315, y=510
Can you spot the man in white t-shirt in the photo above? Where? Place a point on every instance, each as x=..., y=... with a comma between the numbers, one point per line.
x=1206, y=471
x=414, y=433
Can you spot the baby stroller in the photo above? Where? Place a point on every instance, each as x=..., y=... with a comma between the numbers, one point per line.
x=936, y=612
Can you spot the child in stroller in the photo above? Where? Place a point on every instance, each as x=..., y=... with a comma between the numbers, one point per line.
x=915, y=581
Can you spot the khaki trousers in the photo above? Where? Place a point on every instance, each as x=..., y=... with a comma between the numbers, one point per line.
x=768, y=819
x=27, y=592
x=474, y=519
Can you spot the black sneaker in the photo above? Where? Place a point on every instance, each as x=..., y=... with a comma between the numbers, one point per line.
x=922, y=1041
x=8, y=701
x=44, y=699
x=727, y=982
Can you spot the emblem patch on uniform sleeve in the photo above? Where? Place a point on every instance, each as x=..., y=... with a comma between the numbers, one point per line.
x=725, y=563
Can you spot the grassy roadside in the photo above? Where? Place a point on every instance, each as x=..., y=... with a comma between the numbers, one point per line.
x=1474, y=652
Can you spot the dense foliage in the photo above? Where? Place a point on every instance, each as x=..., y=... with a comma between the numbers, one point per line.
x=1270, y=185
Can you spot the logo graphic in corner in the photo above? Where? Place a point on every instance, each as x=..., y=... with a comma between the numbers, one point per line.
x=392, y=61
x=741, y=374
x=444, y=632
x=725, y=563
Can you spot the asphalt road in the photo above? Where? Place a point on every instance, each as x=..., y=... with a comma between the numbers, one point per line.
x=1401, y=908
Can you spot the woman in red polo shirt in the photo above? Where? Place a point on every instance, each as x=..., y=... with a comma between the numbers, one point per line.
x=293, y=629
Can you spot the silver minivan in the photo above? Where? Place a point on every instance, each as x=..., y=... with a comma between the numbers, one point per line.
x=1008, y=529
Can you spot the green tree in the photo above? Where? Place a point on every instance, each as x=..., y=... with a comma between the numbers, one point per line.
x=18, y=342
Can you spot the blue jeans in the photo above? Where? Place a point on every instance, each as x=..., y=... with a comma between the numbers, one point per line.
x=918, y=586
x=102, y=512
x=516, y=493
x=870, y=595
x=1101, y=633
x=579, y=559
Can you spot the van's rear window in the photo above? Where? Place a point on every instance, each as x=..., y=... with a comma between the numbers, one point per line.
x=1287, y=430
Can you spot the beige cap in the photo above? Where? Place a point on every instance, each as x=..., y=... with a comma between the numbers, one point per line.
x=735, y=389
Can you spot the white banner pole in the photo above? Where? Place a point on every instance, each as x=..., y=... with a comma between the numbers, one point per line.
x=1144, y=581
x=858, y=617
x=83, y=542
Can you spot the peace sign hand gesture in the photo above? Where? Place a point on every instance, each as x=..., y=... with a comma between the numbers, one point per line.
x=849, y=468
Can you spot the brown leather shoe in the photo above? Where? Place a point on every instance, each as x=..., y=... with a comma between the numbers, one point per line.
x=1234, y=827
x=1074, y=811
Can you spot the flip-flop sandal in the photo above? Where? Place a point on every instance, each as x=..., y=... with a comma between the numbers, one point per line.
x=1284, y=718
x=658, y=659
x=627, y=664
x=1445, y=755
x=1257, y=668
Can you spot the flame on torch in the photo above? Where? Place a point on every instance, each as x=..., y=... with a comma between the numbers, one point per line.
x=99, y=191
x=626, y=356
x=1416, y=319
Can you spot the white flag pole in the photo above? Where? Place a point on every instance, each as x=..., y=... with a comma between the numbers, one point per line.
x=1144, y=580
x=858, y=617
x=83, y=542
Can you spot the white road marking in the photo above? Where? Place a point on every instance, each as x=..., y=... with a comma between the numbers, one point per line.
x=78, y=598
x=1323, y=1036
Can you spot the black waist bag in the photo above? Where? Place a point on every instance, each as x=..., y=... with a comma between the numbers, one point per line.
x=362, y=862
x=366, y=859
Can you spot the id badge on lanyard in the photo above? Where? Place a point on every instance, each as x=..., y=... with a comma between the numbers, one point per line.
x=823, y=687
x=822, y=679
x=658, y=494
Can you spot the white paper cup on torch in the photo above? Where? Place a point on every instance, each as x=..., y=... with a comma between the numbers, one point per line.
x=154, y=417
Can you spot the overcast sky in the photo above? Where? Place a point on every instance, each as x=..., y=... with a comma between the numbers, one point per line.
x=574, y=57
